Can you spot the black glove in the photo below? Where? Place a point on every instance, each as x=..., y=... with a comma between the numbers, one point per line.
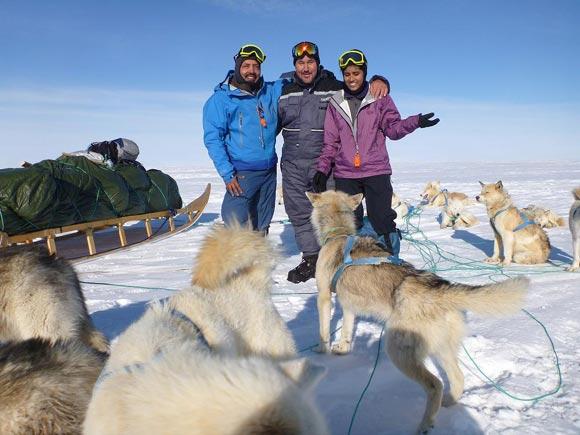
x=425, y=121
x=319, y=182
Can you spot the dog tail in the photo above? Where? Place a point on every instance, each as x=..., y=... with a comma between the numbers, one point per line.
x=94, y=338
x=502, y=298
x=576, y=193
x=227, y=251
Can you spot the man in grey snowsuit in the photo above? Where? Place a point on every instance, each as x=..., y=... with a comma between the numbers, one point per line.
x=301, y=113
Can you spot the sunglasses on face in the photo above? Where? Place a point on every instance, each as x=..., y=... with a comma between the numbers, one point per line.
x=305, y=48
x=354, y=57
x=251, y=50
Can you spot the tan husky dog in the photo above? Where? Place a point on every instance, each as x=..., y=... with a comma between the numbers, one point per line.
x=434, y=196
x=400, y=207
x=424, y=311
x=527, y=244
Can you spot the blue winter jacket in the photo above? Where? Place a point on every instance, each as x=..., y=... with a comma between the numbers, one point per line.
x=233, y=134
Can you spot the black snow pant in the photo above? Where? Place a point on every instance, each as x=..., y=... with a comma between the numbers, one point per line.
x=378, y=194
x=296, y=180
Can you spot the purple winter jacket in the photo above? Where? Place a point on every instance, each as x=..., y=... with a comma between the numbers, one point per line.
x=376, y=119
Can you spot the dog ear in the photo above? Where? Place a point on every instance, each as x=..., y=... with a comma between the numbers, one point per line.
x=499, y=185
x=355, y=200
x=481, y=184
x=303, y=372
x=313, y=197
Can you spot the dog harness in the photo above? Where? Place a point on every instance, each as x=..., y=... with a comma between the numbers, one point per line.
x=348, y=261
x=444, y=193
x=523, y=217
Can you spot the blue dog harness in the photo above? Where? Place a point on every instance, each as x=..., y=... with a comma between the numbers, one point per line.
x=348, y=261
x=523, y=217
x=443, y=192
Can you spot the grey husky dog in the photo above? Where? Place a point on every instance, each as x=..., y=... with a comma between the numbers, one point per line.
x=45, y=387
x=40, y=296
x=574, y=223
x=424, y=311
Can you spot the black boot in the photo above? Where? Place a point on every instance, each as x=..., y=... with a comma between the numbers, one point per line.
x=304, y=271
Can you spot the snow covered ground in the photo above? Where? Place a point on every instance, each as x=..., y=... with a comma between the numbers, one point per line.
x=515, y=352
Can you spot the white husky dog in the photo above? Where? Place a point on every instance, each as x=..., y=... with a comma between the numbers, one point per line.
x=400, y=207
x=574, y=223
x=232, y=281
x=163, y=378
x=454, y=215
x=433, y=195
x=41, y=297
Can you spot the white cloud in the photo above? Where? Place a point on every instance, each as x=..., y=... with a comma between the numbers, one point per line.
x=41, y=123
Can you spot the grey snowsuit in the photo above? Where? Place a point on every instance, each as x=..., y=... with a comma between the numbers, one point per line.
x=301, y=113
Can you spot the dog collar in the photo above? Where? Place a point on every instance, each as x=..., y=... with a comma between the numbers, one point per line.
x=328, y=236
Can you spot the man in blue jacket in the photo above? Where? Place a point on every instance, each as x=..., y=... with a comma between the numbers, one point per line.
x=240, y=121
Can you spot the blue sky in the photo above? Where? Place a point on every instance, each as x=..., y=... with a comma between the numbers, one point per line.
x=501, y=75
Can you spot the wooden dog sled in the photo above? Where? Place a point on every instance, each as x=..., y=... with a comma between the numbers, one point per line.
x=107, y=235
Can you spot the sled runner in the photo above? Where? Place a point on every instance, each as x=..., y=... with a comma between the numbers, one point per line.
x=107, y=235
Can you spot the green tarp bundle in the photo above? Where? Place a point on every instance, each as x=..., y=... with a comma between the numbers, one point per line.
x=73, y=189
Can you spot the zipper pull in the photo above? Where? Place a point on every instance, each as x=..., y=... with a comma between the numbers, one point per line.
x=263, y=122
x=357, y=161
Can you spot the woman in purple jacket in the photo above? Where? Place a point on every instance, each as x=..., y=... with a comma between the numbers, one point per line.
x=354, y=143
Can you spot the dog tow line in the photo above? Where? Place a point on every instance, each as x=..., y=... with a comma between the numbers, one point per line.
x=429, y=249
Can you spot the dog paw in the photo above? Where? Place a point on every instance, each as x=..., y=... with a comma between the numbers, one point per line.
x=505, y=263
x=341, y=348
x=448, y=401
x=491, y=260
x=322, y=347
x=572, y=269
x=425, y=428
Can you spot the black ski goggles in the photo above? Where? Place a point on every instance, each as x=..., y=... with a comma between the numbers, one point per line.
x=304, y=48
x=251, y=50
x=354, y=57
